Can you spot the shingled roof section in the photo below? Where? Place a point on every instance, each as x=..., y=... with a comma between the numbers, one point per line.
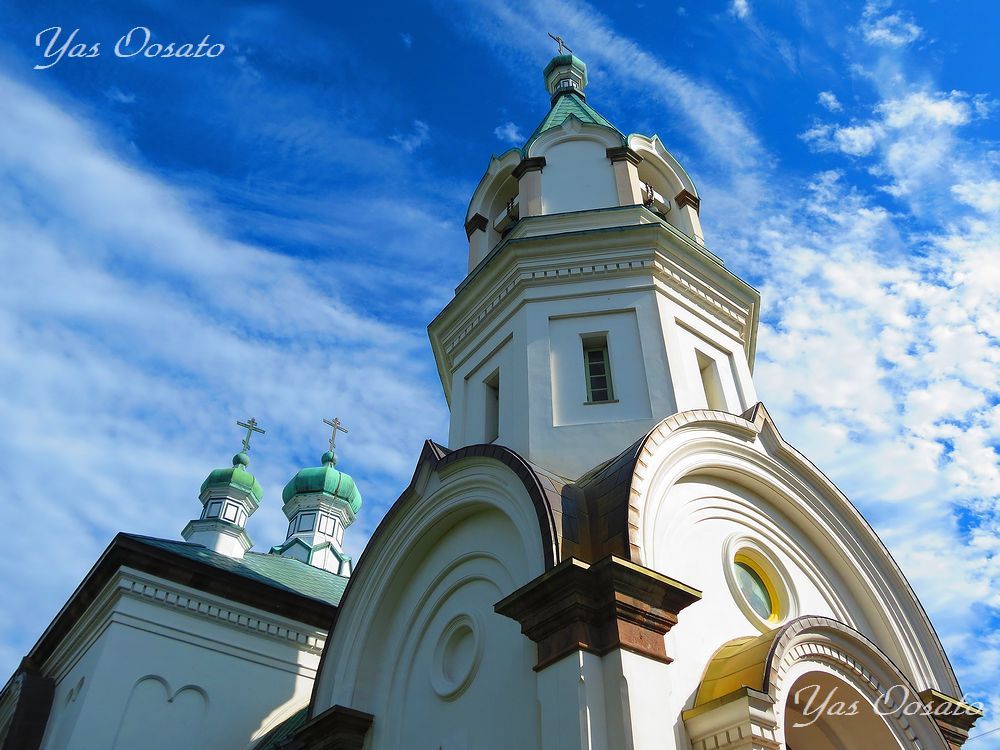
x=274, y=570
x=605, y=490
x=281, y=736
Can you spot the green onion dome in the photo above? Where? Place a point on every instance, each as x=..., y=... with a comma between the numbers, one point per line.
x=326, y=479
x=235, y=476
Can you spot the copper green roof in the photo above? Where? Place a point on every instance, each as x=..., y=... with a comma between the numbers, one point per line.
x=282, y=733
x=326, y=479
x=285, y=573
x=571, y=60
x=570, y=104
x=235, y=476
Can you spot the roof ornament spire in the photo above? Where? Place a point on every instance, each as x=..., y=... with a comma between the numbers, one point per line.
x=566, y=73
x=561, y=42
x=251, y=428
x=330, y=457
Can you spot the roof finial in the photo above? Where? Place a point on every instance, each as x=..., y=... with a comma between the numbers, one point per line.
x=251, y=428
x=337, y=427
x=330, y=457
x=561, y=42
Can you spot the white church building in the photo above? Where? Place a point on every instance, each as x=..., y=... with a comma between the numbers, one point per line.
x=616, y=551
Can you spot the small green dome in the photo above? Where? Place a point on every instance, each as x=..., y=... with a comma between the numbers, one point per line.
x=235, y=476
x=571, y=61
x=327, y=479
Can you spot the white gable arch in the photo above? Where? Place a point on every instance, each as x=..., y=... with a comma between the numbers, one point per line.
x=702, y=476
x=416, y=638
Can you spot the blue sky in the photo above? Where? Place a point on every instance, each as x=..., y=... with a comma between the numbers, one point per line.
x=186, y=242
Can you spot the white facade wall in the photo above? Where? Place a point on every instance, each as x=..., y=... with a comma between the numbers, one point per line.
x=159, y=666
x=577, y=177
x=534, y=340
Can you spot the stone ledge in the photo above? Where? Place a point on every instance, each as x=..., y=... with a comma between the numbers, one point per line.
x=598, y=608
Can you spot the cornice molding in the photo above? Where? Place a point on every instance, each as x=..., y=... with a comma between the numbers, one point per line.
x=213, y=609
x=477, y=223
x=524, y=272
x=623, y=153
x=531, y=164
x=687, y=198
x=598, y=608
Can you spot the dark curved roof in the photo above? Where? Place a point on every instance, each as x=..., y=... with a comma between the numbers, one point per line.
x=282, y=734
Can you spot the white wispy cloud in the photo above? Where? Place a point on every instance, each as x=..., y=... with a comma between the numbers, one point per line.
x=740, y=8
x=889, y=30
x=118, y=96
x=406, y=39
x=137, y=331
x=509, y=133
x=914, y=134
x=983, y=196
x=830, y=101
x=410, y=142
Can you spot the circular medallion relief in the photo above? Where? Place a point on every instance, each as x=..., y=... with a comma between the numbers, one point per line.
x=456, y=656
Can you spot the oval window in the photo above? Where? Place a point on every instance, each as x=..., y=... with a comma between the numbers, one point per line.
x=755, y=590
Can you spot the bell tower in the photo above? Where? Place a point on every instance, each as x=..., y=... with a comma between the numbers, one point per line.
x=592, y=308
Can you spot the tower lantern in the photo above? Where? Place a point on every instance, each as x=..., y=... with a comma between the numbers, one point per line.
x=320, y=503
x=229, y=497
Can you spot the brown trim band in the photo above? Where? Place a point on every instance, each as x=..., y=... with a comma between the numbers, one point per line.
x=623, y=153
x=337, y=728
x=687, y=198
x=531, y=164
x=598, y=608
x=31, y=712
x=953, y=717
x=477, y=223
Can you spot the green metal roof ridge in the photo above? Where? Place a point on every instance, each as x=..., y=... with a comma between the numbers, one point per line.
x=279, y=572
x=568, y=105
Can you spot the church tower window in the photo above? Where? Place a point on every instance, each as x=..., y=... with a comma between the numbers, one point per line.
x=711, y=382
x=757, y=588
x=597, y=366
x=491, y=396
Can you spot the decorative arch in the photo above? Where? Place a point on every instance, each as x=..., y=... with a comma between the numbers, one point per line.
x=499, y=169
x=763, y=671
x=655, y=153
x=490, y=503
x=749, y=450
x=157, y=716
x=573, y=129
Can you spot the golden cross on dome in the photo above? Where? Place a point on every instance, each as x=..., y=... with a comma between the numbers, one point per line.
x=337, y=427
x=561, y=42
x=251, y=428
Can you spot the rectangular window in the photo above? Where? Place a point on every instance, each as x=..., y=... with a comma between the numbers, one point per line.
x=213, y=509
x=306, y=521
x=491, y=396
x=597, y=369
x=229, y=513
x=711, y=382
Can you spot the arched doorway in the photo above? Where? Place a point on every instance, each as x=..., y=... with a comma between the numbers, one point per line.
x=823, y=712
x=812, y=684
